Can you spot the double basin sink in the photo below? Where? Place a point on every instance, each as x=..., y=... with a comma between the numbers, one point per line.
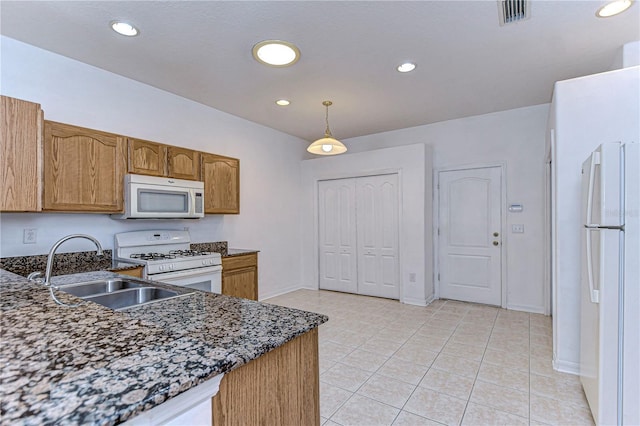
x=119, y=293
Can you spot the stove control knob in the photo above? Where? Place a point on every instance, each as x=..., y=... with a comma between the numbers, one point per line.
x=161, y=267
x=172, y=266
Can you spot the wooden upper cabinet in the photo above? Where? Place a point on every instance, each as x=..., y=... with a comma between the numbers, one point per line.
x=156, y=159
x=147, y=158
x=183, y=163
x=21, y=155
x=83, y=169
x=221, y=176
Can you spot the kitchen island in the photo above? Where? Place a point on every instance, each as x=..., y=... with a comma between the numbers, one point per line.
x=94, y=365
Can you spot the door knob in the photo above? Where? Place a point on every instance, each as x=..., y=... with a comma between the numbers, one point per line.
x=495, y=243
x=495, y=234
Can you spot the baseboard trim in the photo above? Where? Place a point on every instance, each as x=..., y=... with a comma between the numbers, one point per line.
x=566, y=367
x=415, y=301
x=526, y=308
x=282, y=291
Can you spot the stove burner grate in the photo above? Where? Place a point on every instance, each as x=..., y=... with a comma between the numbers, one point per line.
x=152, y=256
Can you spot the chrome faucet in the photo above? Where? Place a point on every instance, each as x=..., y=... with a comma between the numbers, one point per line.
x=52, y=252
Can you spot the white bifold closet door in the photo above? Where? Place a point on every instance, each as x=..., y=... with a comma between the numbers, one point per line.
x=359, y=235
x=337, y=226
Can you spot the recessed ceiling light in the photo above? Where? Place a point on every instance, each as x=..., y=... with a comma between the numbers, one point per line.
x=276, y=53
x=613, y=8
x=406, y=67
x=282, y=102
x=124, y=28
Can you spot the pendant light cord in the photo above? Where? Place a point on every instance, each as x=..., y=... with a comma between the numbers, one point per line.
x=327, y=132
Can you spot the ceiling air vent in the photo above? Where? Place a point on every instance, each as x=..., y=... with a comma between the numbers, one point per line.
x=511, y=11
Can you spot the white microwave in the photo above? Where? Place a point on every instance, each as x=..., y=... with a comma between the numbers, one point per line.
x=152, y=197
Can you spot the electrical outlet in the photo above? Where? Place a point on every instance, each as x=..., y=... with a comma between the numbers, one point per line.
x=29, y=235
x=412, y=277
x=517, y=229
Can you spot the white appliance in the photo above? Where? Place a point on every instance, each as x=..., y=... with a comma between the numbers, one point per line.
x=167, y=257
x=610, y=296
x=585, y=112
x=153, y=197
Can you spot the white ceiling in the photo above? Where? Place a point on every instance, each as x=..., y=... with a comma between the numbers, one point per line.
x=467, y=63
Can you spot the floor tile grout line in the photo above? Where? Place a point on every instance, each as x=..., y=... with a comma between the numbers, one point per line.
x=459, y=323
x=475, y=380
x=416, y=386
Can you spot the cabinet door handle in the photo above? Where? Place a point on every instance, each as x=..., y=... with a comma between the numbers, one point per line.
x=495, y=243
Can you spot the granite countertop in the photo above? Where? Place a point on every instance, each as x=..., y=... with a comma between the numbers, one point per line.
x=238, y=252
x=93, y=365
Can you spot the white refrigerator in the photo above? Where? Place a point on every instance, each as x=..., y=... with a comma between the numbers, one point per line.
x=610, y=283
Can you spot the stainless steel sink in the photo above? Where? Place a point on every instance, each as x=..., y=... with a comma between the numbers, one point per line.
x=131, y=297
x=100, y=286
x=119, y=293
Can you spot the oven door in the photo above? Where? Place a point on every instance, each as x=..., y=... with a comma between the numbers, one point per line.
x=206, y=279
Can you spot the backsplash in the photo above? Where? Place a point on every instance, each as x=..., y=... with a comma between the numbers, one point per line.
x=217, y=247
x=82, y=261
x=64, y=263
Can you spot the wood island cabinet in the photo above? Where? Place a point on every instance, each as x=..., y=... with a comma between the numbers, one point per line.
x=282, y=387
x=156, y=159
x=83, y=169
x=240, y=276
x=221, y=176
x=21, y=155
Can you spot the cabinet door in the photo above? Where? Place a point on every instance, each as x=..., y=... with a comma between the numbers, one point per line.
x=240, y=283
x=183, y=163
x=240, y=276
x=221, y=176
x=147, y=158
x=83, y=169
x=21, y=155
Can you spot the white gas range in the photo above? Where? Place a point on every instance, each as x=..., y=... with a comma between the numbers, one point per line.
x=167, y=257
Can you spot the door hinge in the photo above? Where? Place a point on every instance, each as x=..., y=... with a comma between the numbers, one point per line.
x=438, y=277
x=438, y=231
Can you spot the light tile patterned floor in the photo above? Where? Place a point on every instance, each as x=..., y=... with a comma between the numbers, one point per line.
x=384, y=363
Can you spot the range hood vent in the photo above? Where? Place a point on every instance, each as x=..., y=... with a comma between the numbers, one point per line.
x=511, y=11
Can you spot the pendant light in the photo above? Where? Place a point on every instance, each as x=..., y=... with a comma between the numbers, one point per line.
x=327, y=145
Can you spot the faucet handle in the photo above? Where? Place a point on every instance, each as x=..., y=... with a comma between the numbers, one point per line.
x=35, y=277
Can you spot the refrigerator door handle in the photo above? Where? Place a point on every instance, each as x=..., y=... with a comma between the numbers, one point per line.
x=595, y=159
x=594, y=294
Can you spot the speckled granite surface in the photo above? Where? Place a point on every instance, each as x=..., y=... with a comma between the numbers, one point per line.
x=217, y=247
x=63, y=264
x=92, y=365
x=239, y=252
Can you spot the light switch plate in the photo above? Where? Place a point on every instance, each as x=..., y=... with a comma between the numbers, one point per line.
x=517, y=229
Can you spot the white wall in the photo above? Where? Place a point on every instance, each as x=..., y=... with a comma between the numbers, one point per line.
x=515, y=138
x=76, y=93
x=413, y=165
x=628, y=56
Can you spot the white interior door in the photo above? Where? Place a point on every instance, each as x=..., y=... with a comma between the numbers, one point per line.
x=377, y=235
x=470, y=240
x=337, y=234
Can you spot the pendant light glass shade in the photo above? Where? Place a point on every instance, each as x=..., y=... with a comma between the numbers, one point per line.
x=327, y=145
